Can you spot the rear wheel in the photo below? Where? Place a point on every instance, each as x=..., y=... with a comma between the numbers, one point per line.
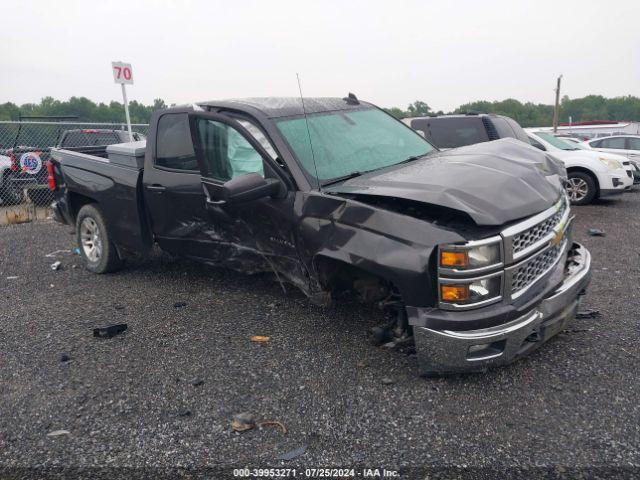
x=581, y=188
x=97, y=249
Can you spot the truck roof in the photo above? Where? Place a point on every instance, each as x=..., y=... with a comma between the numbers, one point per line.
x=274, y=107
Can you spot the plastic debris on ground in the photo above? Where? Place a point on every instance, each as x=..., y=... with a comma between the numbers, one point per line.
x=56, y=265
x=596, y=232
x=56, y=253
x=110, y=331
x=293, y=453
x=179, y=305
x=387, y=381
x=242, y=422
x=273, y=423
x=260, y=338
x=58, y=433
x=588, y=314
x=12, y=277
x=65, y=358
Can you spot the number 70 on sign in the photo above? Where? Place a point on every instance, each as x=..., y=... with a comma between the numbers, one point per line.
x=122, y=73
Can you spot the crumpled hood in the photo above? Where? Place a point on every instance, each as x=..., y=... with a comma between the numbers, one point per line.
x=494, y=182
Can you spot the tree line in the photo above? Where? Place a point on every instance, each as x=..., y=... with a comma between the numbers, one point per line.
x=528, y=114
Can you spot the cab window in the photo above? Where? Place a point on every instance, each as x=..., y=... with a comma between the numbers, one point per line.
x=174, y=149
x=226, y=153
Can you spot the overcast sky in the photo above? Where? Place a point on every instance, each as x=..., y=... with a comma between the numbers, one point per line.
x=387, y=52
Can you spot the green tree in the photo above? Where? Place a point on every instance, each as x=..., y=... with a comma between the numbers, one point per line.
x=418, y=109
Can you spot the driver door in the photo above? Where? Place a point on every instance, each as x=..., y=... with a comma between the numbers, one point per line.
x=254, y=234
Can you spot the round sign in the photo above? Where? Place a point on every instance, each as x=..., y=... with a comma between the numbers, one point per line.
x=31, y=163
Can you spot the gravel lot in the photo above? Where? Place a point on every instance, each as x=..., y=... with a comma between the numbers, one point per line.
x=130, y=401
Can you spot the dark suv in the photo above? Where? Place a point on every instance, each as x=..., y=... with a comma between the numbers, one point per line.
x=451, y=131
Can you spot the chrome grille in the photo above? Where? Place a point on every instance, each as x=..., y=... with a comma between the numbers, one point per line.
x=527, y=273
x=525, y=239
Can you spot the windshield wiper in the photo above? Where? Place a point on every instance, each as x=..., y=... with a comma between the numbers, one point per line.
x=344, y=177
x=414, y=157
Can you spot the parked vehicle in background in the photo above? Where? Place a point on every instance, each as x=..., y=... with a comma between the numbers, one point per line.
x=627, y=145
x=624, y=145
x=469, y=250
x=452, y=131
x=27, y=169
x=95, y=137
x=591, y=175
x=599, y=128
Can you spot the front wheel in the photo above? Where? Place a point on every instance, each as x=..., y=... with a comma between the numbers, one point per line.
x=581, y=188
x=97, y=249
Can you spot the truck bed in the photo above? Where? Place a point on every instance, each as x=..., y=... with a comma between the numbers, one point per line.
x=117, y=190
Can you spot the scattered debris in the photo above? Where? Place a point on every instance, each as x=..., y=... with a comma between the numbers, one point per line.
x=242, y=422
x=260, y=338
x=293, y=453
x=196, y=382
x=65, y=358
x=273, y=423
x=184, y=413
x=119, y=307
x=390, y=345
x=110, y=331
x=56, y=253
x=57, y=433
x=12, y=277
x=76, y=250
x=596, y=232
x=629, y=353
x=387, y=381
x=588, y=314
x=179, y=305
x=56, y=265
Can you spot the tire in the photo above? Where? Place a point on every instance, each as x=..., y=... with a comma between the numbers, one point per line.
x=581, y=188
x=96, y=248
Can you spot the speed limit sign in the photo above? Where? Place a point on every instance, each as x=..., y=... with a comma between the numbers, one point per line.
x=122, y=72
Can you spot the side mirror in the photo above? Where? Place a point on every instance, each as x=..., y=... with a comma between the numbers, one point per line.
x=249, y=187
x=539, y=146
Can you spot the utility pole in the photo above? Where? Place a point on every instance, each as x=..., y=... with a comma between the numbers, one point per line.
x=556, y=108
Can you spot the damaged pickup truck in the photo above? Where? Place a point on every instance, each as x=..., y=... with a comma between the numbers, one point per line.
x=470, y=249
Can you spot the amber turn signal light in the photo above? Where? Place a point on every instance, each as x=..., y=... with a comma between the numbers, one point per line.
x=454, y=259
x=454, y=293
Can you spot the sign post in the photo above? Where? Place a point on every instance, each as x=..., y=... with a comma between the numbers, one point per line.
x=123, y=75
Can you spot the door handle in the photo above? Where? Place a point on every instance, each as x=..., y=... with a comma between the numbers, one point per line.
x=156, y=188
x=216, y=203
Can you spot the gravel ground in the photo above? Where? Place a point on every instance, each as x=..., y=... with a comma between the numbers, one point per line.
x=130, y=401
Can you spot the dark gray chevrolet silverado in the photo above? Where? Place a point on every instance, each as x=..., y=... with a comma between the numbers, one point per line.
x=470, y=250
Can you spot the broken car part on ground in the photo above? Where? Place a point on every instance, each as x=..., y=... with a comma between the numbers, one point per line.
x=469, y=250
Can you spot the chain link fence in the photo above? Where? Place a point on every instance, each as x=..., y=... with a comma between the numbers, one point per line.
x=25, y=147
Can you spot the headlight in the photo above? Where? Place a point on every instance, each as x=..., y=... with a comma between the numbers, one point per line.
x=467, y=275
x=472, y=292
x=471, y=256
x=611, y=163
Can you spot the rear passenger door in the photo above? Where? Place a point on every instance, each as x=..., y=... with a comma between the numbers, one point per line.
x=172, y=190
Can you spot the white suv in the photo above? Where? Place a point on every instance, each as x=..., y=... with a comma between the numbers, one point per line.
x=591, y=174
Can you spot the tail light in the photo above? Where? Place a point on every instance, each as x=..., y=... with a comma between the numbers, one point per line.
x=51, y=179
x=14, y=162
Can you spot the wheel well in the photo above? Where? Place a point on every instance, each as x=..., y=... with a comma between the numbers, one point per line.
x=588, y=172
x=77, y=201
x=338, y=276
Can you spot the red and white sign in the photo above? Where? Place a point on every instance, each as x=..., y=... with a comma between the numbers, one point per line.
x=122, y=73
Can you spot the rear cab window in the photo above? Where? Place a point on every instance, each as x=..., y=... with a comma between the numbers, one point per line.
x=452, y=132
x=174, y=148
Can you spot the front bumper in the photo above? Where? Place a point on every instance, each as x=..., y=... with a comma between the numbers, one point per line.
x=448, y=351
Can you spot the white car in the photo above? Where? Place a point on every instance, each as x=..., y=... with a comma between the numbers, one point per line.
x=625, y=145
x=591, y=174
